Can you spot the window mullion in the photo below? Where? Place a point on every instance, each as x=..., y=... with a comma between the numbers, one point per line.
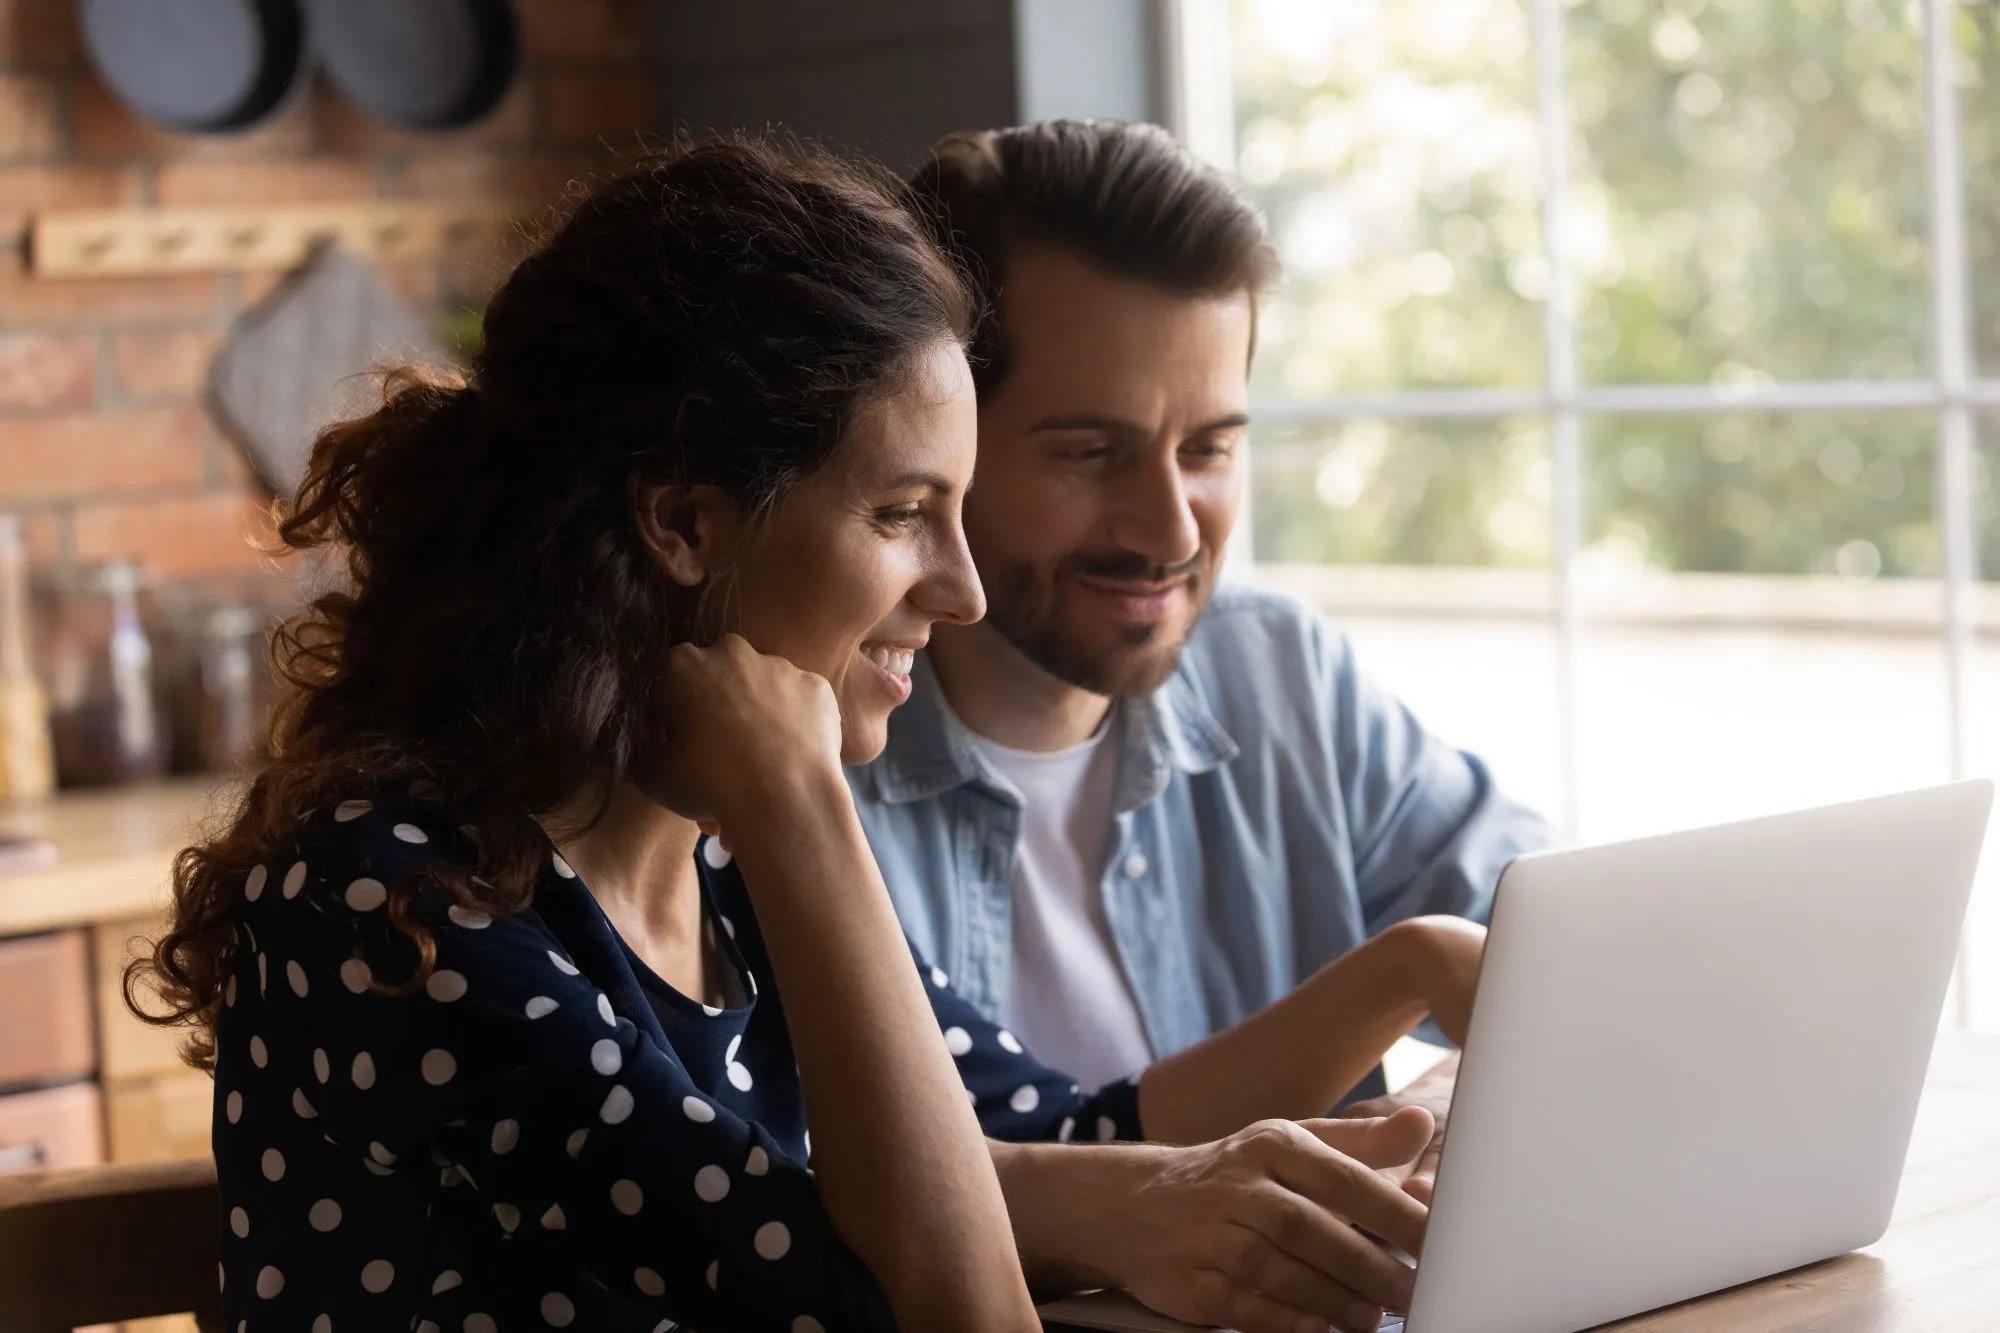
x=1951, y=357
x=1565, y=430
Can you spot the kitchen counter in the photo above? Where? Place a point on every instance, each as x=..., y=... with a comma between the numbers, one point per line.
x=114, y=846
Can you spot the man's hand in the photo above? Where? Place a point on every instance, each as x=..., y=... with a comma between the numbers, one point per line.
x=1431, y=1090
x=1270, y=1230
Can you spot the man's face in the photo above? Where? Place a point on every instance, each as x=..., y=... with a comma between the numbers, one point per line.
x=1110, y=468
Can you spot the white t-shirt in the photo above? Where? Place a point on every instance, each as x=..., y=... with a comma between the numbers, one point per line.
x=1071, y=1002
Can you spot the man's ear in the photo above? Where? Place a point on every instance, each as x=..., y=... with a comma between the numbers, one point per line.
x=690, y=531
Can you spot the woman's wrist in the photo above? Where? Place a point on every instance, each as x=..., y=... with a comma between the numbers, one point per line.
x=786, y=793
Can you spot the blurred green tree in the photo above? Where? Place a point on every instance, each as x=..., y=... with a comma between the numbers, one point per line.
x=1746, y=202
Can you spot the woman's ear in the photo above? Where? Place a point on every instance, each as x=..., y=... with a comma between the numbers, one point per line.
x=691, y=531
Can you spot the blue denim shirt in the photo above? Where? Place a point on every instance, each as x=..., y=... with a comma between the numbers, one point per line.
x=1274, y=809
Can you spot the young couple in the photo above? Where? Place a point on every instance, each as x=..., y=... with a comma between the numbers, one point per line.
x=553, y=974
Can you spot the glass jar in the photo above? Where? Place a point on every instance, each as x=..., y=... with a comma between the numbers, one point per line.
x=27, y=768
x=104, y=717
x=218, y=684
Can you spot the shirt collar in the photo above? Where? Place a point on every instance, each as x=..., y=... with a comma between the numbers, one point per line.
x=930, y=751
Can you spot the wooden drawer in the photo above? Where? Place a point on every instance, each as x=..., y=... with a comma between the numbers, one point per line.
x=47, y=976
x=126, y=1047
x=52, y=1127
x=163, y=1119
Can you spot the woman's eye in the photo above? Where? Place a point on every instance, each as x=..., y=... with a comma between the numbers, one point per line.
x=899, y=516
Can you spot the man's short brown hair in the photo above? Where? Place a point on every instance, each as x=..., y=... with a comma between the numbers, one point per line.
x=1125, y=197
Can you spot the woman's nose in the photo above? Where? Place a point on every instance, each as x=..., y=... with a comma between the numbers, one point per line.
x=953, y=592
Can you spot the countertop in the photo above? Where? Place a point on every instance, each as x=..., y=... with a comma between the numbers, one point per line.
x=115, y=848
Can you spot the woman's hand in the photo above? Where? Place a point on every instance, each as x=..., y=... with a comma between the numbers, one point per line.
x=1269, y=1230
x=737, y=727
x=1443, y=954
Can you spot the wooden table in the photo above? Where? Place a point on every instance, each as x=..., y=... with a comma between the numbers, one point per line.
x=1938, y=1268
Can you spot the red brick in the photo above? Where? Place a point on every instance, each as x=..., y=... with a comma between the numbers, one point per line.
x=38, y=32
x=28, y=126
x=25, y=191
x=177, y=536
x=104, y=128
x=569, y=29
x=316, y=181
x=39, y=371
x=345, y=128
x=531, y=181
x=597, y=106
x=65, y=457
x=43, y=532
x=26, y=300
x=163, y=363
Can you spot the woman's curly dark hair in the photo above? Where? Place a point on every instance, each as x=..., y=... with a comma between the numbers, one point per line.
x=708, y=313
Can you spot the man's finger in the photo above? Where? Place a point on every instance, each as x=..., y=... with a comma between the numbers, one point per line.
x=1421, y=1188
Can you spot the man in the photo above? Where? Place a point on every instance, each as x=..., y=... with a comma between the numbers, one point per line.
x=1130, y=807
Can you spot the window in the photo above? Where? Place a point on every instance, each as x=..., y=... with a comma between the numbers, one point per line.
x=1633, y=393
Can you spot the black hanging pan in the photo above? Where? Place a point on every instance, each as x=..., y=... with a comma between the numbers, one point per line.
x=418, y=64
x=198, y=66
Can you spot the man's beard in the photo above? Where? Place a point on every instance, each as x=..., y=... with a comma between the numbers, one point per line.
x=1021, y=606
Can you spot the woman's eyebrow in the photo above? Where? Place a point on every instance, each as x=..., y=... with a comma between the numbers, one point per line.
x=932, y=480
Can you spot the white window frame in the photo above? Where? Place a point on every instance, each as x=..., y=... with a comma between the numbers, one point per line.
x=1197, y=96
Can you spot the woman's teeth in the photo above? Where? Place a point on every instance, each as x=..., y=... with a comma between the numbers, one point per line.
x=895, y=661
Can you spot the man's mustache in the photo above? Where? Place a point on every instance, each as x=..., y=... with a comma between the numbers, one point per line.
x=1132, y=568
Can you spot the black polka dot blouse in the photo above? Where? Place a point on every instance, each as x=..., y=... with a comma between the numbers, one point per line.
x=545, y=1134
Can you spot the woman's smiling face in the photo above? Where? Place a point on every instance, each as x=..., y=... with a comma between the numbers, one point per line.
x=848, y=572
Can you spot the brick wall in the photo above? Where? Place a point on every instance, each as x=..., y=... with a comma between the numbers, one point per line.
x=104, y=443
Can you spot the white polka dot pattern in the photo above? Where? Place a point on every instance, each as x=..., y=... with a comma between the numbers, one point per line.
x=445, y=985
x=773, y=1241
x=365, y=895
x=553, y=985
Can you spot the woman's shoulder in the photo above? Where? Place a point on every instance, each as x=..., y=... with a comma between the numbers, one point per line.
x=376, y=867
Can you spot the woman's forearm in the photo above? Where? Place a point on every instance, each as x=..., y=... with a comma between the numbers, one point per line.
x=1297, y=1057
x=897, y=1152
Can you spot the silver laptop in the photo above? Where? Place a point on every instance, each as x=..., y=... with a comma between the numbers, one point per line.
x=1694, y=1061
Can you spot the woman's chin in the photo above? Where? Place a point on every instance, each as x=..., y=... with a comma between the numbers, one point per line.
x=862, y=737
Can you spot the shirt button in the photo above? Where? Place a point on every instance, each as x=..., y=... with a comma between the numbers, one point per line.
x=1135, y=865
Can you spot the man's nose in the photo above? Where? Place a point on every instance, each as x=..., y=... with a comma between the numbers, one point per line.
x=1154, y=518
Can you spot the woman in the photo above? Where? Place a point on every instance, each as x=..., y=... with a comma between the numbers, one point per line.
x=529, y=958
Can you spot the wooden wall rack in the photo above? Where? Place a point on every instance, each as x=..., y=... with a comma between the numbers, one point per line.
x=135, y=242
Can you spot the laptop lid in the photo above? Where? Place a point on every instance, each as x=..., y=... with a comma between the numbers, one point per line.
x=1694, y=1060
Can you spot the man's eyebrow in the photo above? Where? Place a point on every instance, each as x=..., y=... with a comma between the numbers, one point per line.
x=1089, y=421
x=1125, y=426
